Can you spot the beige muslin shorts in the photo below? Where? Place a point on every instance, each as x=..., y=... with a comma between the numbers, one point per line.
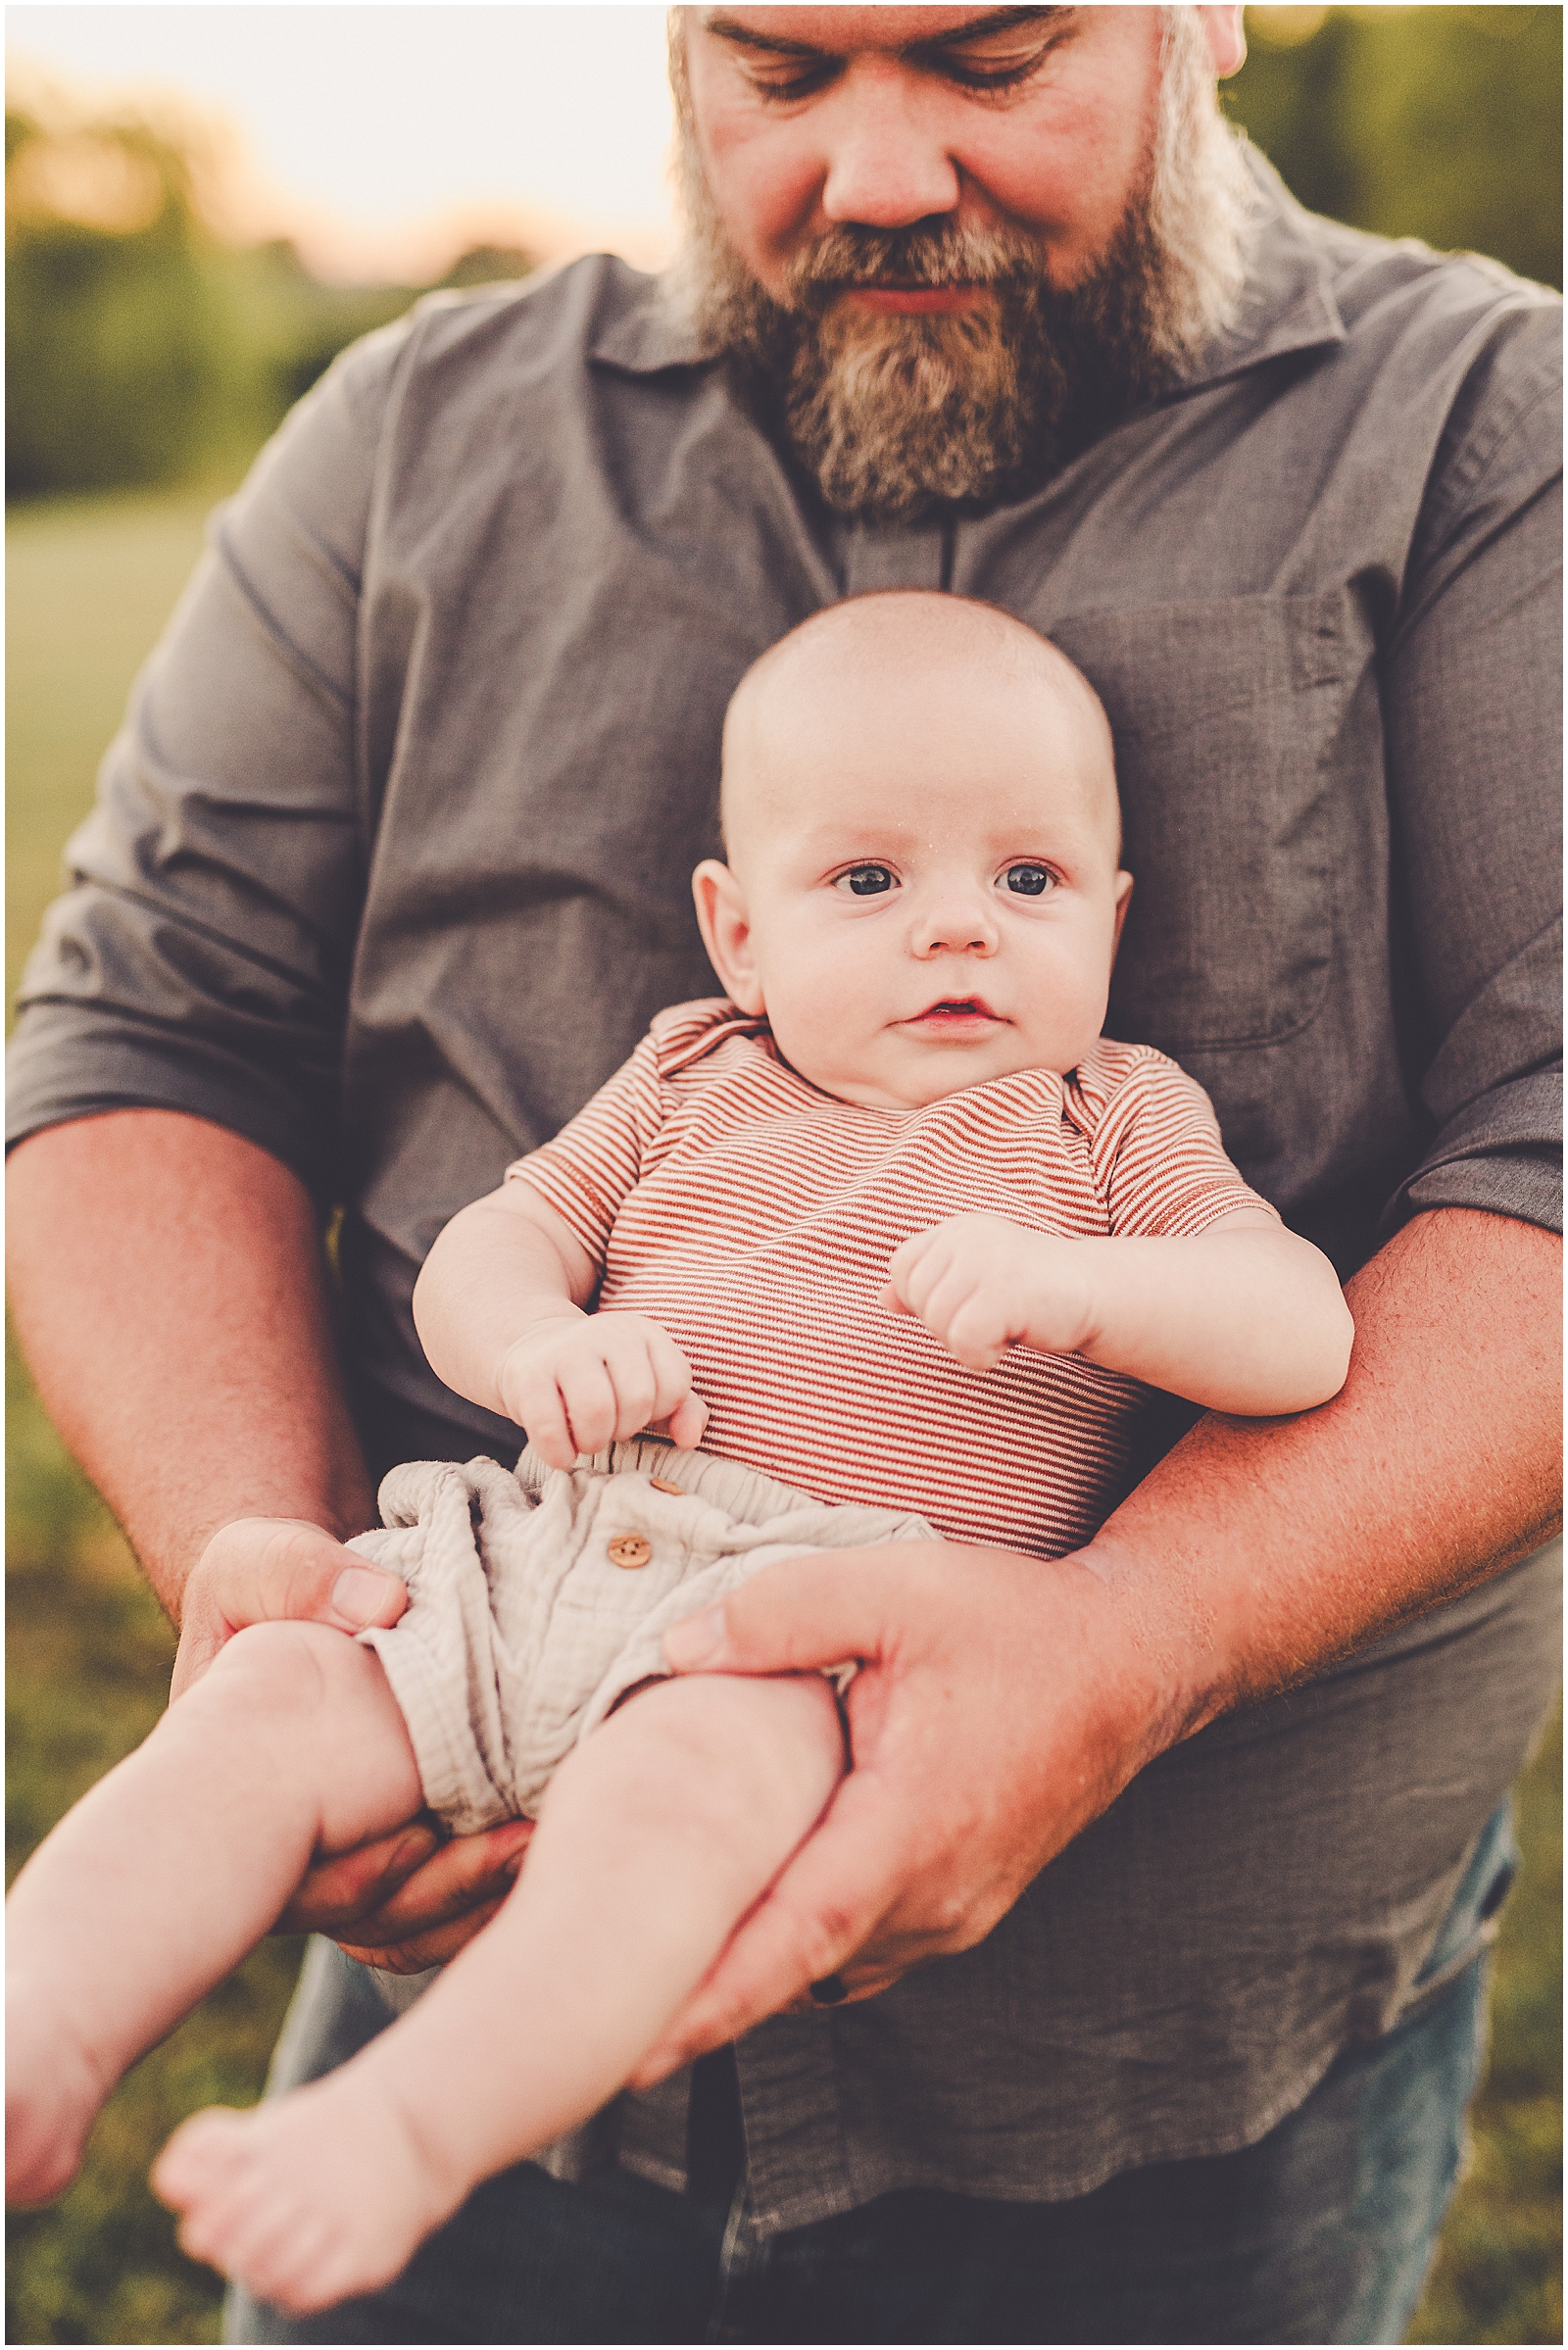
x=539, y=1596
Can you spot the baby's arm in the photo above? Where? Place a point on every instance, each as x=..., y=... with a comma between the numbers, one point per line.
x=499, y=1309
x=656, y=1837
x=1245, y=1318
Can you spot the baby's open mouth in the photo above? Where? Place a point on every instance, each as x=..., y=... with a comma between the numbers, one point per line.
x=957, y=1011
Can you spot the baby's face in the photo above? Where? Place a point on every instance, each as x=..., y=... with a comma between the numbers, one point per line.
x=923, y=891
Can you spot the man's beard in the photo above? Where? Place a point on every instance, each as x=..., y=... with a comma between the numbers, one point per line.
x=893, y=414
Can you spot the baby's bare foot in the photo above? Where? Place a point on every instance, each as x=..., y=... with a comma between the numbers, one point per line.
x=307, y=2199
x=54, y=2089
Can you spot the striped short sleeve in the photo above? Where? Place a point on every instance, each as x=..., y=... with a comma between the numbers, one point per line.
x=586, y=1172
x=1154, y=1143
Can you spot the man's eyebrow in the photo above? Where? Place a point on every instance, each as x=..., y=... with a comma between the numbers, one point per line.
x=994, y=20
x=726, y=27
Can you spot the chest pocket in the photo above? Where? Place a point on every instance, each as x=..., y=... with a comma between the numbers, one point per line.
x=1226, y=717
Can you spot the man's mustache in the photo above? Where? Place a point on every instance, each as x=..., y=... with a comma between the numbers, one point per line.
x=910, y=257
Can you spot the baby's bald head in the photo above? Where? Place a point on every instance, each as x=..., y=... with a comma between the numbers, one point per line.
x=920, y=817
x=873, y=661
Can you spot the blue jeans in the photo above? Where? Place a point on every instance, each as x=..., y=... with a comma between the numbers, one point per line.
x=1321, y=2232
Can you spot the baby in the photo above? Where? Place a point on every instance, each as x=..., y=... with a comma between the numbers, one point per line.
x=892, y=1223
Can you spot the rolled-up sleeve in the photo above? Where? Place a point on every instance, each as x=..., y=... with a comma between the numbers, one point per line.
x=1473, y=710
x=200, y=960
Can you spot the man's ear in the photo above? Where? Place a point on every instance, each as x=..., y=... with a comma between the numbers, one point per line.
x=726, y=932
x=1124, y=898
x=1226, y=34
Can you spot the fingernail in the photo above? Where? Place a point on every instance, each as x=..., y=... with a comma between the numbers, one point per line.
x=414, y=1849
x=829, y=1991
x=360, y=1593
x=688, y=1642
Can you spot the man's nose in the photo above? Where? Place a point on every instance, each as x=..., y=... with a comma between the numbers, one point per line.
x=887, y=164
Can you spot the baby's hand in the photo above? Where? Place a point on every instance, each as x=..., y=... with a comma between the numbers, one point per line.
x=580, y=1381
x=982, y=1285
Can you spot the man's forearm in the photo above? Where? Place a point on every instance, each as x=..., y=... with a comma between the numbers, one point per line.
x=167, y=1288
x=1255, y=1553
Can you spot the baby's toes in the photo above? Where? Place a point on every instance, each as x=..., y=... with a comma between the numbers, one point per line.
x=203, y=2153
x=306, y=2259
x=258, y=2230
x=285, y=2257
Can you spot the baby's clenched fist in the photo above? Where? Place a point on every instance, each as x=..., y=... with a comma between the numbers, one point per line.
x=579, y=1381
x=982, y=1285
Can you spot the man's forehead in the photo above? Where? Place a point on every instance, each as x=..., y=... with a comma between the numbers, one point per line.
x=839, y=31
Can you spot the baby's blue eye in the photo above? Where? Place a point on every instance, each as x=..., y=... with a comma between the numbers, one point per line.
x=868, y=881
x=1028, y=881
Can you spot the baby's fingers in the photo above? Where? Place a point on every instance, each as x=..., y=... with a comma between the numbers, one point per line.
x=535, y=1402
x=686, y=1423
x=975, y=1341
x=941, y=1290
x=971, y=1319
x=593, y=1406
x=903, y=1263
x=674, y=1405
x=629, y=1369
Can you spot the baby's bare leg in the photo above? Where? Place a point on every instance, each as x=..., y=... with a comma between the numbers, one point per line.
x=174, y=1865
x=658, y=1834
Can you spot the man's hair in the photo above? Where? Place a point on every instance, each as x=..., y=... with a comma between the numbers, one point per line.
x=891, y=416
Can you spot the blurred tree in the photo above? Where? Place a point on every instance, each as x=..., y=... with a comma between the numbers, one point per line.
x=1439, y=122
x=291, y=326
x=114, y=343
x=139, y=347
x=326, y=318
x=488, y=265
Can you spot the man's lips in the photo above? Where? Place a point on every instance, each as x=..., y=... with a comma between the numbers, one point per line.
x=914, y=301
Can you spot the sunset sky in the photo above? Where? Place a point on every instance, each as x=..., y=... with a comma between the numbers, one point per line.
x=384, y=137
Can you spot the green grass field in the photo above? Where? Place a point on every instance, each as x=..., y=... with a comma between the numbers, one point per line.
x=88, y=1651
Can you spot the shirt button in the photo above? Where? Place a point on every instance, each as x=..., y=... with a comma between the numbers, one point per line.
x=661, y=1485
x=630, y=1551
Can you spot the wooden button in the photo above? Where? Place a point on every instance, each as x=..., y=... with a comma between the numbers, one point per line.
x=630, y=1551
x=661, y=1485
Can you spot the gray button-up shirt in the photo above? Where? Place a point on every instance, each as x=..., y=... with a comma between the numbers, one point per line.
x=391, y=870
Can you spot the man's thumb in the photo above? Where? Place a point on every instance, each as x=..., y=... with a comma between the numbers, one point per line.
x=696, y=1643
x=364, y=1595
x=259, y=1570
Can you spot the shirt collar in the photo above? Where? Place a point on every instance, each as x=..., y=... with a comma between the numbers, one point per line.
x=1287, y=303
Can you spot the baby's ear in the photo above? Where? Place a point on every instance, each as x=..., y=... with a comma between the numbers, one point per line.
x=726, y=930
x=1124, y=898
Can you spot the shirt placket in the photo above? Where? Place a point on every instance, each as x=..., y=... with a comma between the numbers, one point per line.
x=875, y=556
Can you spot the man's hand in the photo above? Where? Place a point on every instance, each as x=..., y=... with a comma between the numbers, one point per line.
x=1000, y=1707
x=981, y=1285
x=579, y=1381
x=409, y=1900
x=264, y=1570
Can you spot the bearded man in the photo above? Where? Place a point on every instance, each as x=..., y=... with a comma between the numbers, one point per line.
x=1130, y=1989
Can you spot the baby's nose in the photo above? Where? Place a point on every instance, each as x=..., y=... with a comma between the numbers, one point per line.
x=965, y=926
